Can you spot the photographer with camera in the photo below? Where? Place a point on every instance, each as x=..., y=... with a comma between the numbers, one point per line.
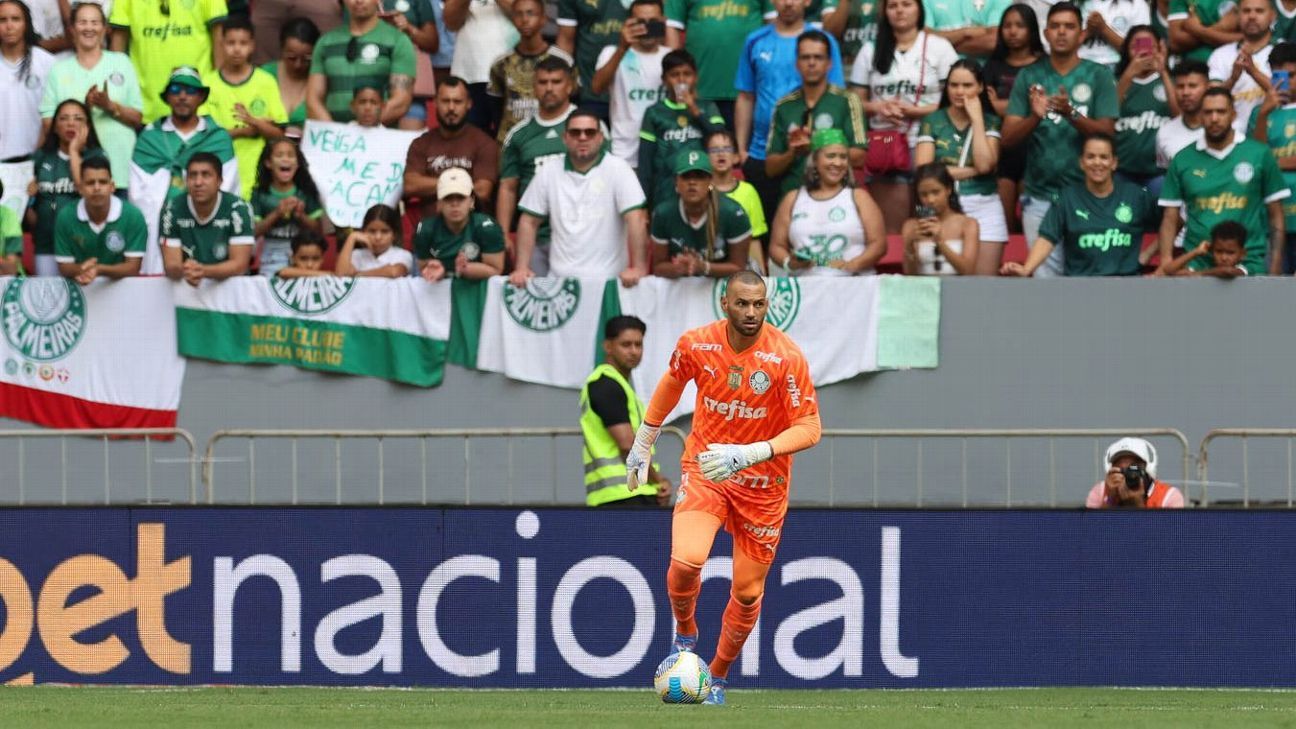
x=1131, y=481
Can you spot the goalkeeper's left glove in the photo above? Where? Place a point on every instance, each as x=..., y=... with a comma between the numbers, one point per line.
x=722, y=460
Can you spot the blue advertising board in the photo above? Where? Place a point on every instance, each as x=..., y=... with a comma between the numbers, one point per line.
x=570, y=598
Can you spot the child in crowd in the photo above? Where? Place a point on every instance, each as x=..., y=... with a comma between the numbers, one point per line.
x=367, y=106
x=285, y=202
x=1226, y=249
x=512, y=76
x=375, y=249
x=307, y=257
x=723, y=153
x=939, y=239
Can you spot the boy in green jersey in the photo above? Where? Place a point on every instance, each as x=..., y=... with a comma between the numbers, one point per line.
x=1225, y=249
x=102, y=235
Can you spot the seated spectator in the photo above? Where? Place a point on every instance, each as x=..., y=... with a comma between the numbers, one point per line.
x=1243, y=67
x=453, y=143
x=1224, y=252
x=1274, y=124
x=106, y=81
x=458, y=242
x=703, y=233
x=297, y=39
x=1019, y=45
x=206, y=233
x=1131, y=480
x=285, y=202
x=367, y=107
x=939, y=240
x=512, y=76
x=828, y=227
x=963, y=135
x=244, y=100
x=11, y=240
x=723, y=153
x=1098, y=224
x=273, y=18
x=22, y=81
x=58, y=177
x=307, y=257
x=595, y=209
x=677, y=123
x=632, y=71
x=1197, y=27
x=364, y=52
x=156, y=55
x=101, y=235
x=1106, y=26
x=375, y=249
x=483, y=33
x=1145, y=106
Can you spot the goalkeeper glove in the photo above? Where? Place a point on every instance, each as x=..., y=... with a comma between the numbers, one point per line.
x=722, y=460
x=640, y=456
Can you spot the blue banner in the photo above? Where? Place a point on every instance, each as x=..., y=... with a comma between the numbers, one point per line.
x=567, y=598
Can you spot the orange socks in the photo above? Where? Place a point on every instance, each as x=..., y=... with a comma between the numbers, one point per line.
x=683, y=583
x=737, y=624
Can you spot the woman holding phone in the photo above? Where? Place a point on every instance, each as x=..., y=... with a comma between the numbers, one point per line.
x=1145, y=104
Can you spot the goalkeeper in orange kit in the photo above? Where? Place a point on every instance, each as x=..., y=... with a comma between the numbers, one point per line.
x=756, y=406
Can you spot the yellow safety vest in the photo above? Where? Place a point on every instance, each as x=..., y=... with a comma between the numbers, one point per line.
x=605, y=471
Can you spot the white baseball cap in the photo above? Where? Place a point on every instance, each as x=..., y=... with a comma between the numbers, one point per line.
x=454, y=181
x=1137, y=447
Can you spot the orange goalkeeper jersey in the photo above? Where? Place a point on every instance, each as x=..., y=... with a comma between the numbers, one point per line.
x=744, y=397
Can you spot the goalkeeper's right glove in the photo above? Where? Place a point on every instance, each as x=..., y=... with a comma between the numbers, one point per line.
x=640, y=456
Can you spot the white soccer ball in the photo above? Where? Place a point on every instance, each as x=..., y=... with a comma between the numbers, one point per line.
x=682, y=678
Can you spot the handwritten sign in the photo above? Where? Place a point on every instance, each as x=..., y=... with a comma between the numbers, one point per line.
x=15, y=176
x=355, y=167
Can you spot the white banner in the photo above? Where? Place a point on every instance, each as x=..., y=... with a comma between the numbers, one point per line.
x=15, y=176
x=543, y=333
x=100, y=356
x=355, y=167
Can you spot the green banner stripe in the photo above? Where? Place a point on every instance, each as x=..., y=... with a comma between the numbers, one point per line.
x=309, y=344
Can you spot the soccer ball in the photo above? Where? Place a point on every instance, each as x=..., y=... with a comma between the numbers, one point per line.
x=682, y=678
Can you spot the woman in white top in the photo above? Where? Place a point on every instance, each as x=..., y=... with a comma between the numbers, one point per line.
x=483, y=33
x=24, y=67
x=828, y=227
x=939, y=240
x=899, y=78
x=375, y=249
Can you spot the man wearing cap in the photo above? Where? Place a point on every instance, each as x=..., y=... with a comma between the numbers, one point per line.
x=1131, y=481
x=458, y=241
x=703, y=232
x=163, y=150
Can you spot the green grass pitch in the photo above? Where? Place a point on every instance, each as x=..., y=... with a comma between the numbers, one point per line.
x=109, y=708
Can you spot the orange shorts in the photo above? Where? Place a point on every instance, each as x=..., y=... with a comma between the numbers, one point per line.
x=756, y=524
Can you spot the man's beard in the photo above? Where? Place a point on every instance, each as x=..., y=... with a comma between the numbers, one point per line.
x=452, y=126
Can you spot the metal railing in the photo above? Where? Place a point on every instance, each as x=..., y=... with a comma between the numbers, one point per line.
x=144, y=437
x=1245, y=435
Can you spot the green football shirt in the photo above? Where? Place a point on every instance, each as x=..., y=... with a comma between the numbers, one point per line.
x=1100, y=236
x=264, y=203
x=1141, y=115
x=1284, y=27
x=68, y=80
x=598, y=24
x=161, y=41
x=531, y=144
x=1208, y=12
x=950, y=141
x=297, y=115
x=434, y=239
x=669, y=129
x=716, y=31
x=670, y=228
x=861, y=29
x=206, y=241
x=11, y=237
x=259, y=94
x=124, y=234
x=1282, y=141
x=836, y=109
x=367, y=60
x=1230, y=184
x=1053, y=150
x=55, y=190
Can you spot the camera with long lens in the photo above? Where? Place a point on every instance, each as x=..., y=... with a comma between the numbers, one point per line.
x=1136, y=479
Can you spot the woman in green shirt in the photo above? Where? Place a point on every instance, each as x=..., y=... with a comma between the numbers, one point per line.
x=72, y=138
x=297, y=41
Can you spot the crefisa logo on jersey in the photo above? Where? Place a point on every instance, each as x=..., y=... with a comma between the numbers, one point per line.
x=544, y=304
x=311, y=295
x=784, y=295
x=44, y=318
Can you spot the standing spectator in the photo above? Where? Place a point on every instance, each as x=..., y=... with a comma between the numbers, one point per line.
x=1284, y=28
x=828, y=227
x=375, y=249
x=458, y=241
x=364, y=52
x=677, y=122
x=940, y=240
x=244, y=100
x=595, y=209
x=101, y=234
x=1274, y=125
x=712, y=29
x=272, y=18
x=861, y=28
x=703, y=233
x=24, y=67
x=1107, y=25
x=812, y=106
x=899, y=80
x=766, y=73
x=963, y=135
x=11, y=240
x=723, y=152
x=285, y=202
x=512, y=76
x=163, y=151
x=207, y=232
x=444, y=55
x=164, y=36
x=1191, y=79
x=1198, y=27
x=297, y=41
x=108, y=84
x=307, y=257
x=58, y=177
x=454, y=143
x=632, y=70
x=1098, y=225
x=1243, y=67
x=1055, y=103
x=1225, y=177
x=483, y=33
x=971, y=27
x=585, y=27
x=1019, y=46
x=1144, y=106
x=415, y=20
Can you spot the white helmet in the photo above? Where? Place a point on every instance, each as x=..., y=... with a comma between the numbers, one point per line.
x=1137, y=447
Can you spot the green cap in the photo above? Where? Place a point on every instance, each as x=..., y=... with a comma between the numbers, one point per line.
x=184, y=76
x=692, y=160
x=824, y=137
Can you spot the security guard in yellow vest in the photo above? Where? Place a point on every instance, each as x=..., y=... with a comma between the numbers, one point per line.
x=610, y=416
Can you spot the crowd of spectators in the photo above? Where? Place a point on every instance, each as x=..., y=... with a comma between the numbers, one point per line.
x=605, y=138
